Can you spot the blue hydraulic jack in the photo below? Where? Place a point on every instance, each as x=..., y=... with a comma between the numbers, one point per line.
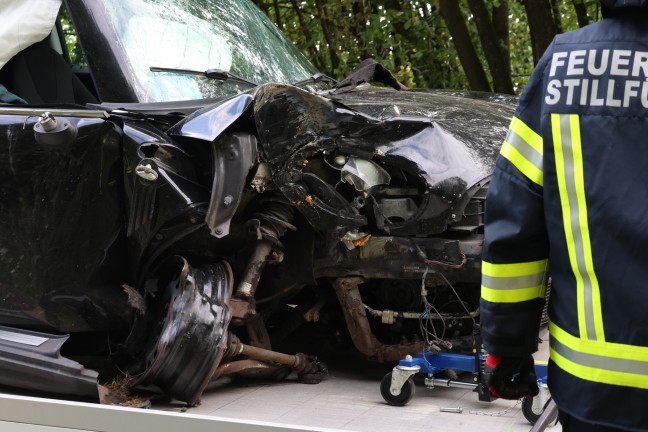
x=397, y=387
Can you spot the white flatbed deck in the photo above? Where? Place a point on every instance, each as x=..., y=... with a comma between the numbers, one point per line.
x=349, y=400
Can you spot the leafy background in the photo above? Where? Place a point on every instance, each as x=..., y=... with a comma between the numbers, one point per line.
x=418, y=40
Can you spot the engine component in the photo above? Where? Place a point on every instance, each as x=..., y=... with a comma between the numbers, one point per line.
x=268, y=227
x=309, y=369
x=262, y=178
x=364, y=174
x=389, y=316
x=358, y=325
x=392, y=210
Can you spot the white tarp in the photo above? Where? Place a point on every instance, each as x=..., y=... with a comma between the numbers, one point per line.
x=23, y=23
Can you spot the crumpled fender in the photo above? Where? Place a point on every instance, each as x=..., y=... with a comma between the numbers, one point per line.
x=210, y=122
x=233, y=155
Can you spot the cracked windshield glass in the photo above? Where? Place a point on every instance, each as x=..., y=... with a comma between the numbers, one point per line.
x=198, y=35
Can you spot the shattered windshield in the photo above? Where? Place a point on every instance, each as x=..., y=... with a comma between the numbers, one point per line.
x=198, y=35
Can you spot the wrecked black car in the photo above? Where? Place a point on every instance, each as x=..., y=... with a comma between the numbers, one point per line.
x=194, y=194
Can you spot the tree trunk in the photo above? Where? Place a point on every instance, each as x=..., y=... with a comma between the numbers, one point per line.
x=498, y=62
x=451, y=13
x=360, y=17
x=555, y=9
x=277, y=13
x=501, y=25
x=542, y=27
x=327, y=32
x=581, y=13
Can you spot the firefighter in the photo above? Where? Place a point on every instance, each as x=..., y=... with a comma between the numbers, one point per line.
x=569, y=197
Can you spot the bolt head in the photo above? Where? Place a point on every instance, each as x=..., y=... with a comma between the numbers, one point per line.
x=146, y=172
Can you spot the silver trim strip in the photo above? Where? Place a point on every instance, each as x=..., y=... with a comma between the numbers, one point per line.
x=574, y=218
x=511, y=283
x=22, y=338
x=37, y=112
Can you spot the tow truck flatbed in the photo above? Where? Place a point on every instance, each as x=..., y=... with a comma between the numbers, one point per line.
x=31, y=414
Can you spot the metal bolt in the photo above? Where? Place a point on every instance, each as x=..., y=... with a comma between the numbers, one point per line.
x=146, y=172
x=228, y=200
x=457, y=410
x=219, y=231
x=408, y=357
x=47, y=121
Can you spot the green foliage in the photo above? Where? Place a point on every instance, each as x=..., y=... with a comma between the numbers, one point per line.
x=409, y=37
x=521, y=53
x=73, y=46
x=520, y=44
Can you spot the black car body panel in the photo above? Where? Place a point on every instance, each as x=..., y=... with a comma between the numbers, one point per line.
x=56, y=265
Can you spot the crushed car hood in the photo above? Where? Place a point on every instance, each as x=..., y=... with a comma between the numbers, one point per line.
x=469, y=128
x=478, y=120
x=450, y=149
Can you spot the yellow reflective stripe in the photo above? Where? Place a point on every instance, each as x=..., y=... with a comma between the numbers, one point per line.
x=523, y=148
x=514, y=269
x=512, y=283
x=523, y=164
x=512, y=295
x=527, y=134
x=599, y=361
x=571, y=185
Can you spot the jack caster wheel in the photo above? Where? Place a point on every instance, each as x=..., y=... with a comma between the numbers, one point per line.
x=405, y=395
x=529, y=413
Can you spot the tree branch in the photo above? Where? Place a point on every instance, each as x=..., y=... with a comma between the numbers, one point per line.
x=470, y=62
x=581, y=13
x=542, y=27
x=496, y=55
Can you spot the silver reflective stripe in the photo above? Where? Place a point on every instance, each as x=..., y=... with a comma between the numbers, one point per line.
x=574, y=218
x=599, y=361
x=22, y=338
x=518, y=282
x=529, y=153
